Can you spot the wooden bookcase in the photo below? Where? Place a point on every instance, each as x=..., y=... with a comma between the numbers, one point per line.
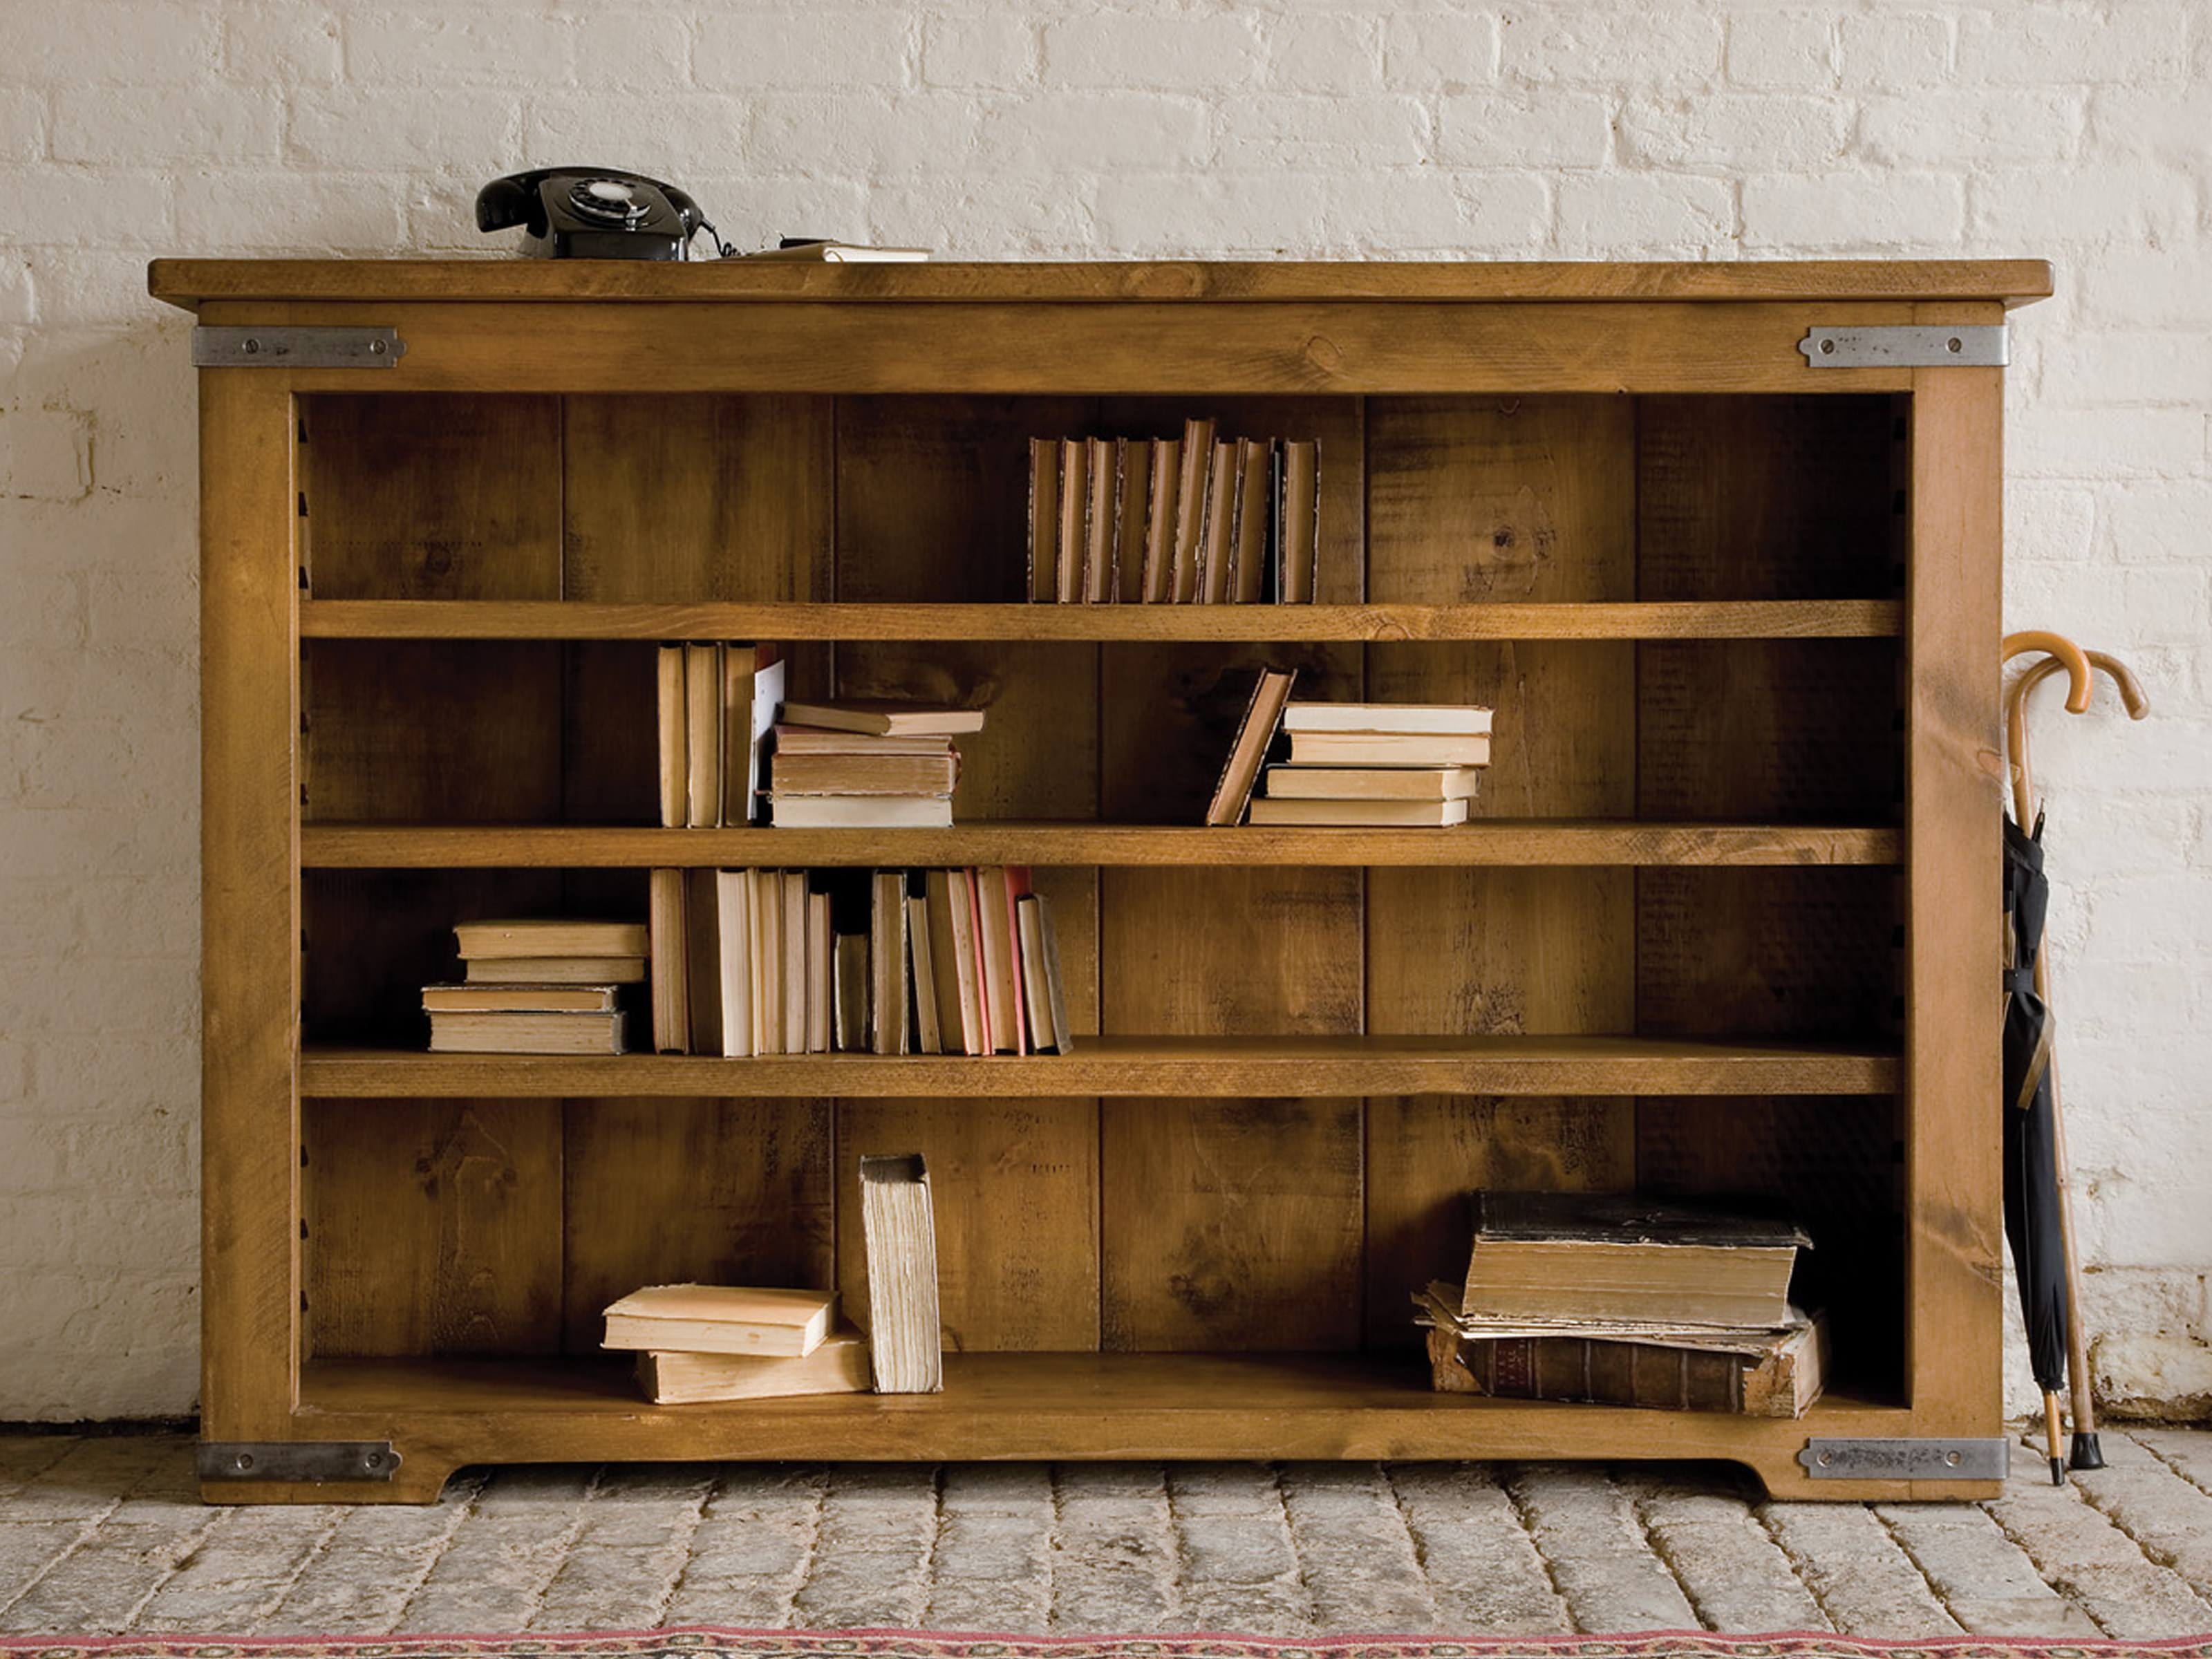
x=1726, y=924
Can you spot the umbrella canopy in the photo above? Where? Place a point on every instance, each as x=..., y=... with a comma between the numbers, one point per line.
x=2033, y=1224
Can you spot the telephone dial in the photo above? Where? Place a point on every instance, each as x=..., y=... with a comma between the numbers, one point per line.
x=595, y=213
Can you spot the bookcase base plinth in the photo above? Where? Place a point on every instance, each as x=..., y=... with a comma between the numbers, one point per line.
x=1056, y=1407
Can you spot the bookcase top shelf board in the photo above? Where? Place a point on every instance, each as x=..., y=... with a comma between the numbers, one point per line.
x=1232, y=1067
x=190, y=283
x=557, y=619
x=1493, y=842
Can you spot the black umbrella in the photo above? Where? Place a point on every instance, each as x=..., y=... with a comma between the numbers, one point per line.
x=2034, y=1223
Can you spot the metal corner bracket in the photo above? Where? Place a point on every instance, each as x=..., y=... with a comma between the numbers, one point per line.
x=296, y=1461
x=1957, y=345
x=1932, y=1459
x=286, y=347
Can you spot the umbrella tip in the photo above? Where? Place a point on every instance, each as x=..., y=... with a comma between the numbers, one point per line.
x=2088, y=1454
x=2057, y=1471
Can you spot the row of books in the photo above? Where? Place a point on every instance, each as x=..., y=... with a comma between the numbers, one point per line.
x=1196, y=519
x=1403, y=765
x=733, y=751
x=538, y=985
x=1620, y=1301
x=884, y=962
x=697, y=1343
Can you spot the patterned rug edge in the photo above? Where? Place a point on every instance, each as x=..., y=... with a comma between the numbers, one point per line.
x=706, y=1642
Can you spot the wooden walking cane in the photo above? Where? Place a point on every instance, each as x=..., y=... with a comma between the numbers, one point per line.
x=2086, y=1454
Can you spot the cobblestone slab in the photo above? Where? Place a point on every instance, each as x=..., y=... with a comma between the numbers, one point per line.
x=1586, y=1529
x=104, y=1533
x=1735, y=1576
x=1481, y=1565
x=1862, y=1579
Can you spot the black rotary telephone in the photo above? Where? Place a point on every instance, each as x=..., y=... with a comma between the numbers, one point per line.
x=595, y=213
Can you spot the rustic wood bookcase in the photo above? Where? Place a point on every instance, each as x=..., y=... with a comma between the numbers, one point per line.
x=1726, y=923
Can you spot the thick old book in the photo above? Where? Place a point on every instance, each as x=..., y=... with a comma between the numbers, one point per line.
x=1360, y=814
x=905, y=1340
x=810, y=741
x=1166, y=474
x=839, y=1365
x=526, y=1033
x=888, y=719
x=931, y=773
x=1102, y=494
x=1422, y=749
x=702, y=736
x=1300, y=532
x=669, y=693
x=1563, y=1256
x=1222, y=486
x=1440, y=719
x=1074, y=490
x=772, y=1323
x=887, y=954
x=753, y=690
x=556, y=970
x=671, y=984
x=1135, y=481
x=861, y=812
x=1197, y=460
x=1249, y=530
x=1781, y=1378
x=1044, y=519
x=1232, y=792
x=548, y=936
x=995, y=934
x=1041, y=982
x=921, y=969
x=733, y=934
x=945, y=956
x=523, y=998
x=1371, y=782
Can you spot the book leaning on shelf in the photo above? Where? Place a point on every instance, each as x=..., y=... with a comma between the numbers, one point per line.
x=757, y=962
x=1196, y=519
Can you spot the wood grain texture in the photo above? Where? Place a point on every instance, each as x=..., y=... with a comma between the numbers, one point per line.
x=433, y=1227
x=701, y=1191
x=1015, y=1184
x=249, y=907
x=188, y=281
x=868, y=620
x=1472, y=501
x=1144, y=1067
x=1535, y=842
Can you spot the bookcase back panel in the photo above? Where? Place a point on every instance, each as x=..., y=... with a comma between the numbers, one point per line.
x=1809, y=952
x=432, y=1227
x=711, y=1192
x=1015, y=1184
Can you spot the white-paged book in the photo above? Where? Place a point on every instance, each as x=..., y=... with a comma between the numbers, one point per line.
x=1443, y=719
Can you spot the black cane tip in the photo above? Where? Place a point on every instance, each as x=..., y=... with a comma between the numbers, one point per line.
x=2057, y=1471
x=2088, y=1454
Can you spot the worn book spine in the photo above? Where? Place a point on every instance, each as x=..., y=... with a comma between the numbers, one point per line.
x=1593, y=1371
x=671, y=995
x=1160, y=520
x=1044, y=519
x=1190, y=509
x=1067, y=586
x=1105, y=492
x=674, y=736
x=702, y=748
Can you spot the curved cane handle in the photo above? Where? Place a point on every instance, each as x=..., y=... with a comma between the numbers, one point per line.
x=2132, y=691
x=2068, y=653
x=2023, y=776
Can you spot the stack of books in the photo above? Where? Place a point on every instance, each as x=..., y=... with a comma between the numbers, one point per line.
x=702, y=1342
x=1622, y=1301
x=1356, y=764
x=717, y=701
x=884, y=962
x=866, y=766
x=1197, y=519
x=536, y=986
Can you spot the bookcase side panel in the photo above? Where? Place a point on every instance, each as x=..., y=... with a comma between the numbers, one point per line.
x=1952, y=1064
x=932, y=504
x=250, y=906
x=441, y=497
x=1475, y=499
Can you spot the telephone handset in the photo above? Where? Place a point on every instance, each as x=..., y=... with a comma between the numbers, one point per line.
x=595, y=213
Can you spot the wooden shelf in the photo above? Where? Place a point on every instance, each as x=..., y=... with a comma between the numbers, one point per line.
x=1163, y=1066
x=1021, y=1405
x=1501, y=841
x=541, y=619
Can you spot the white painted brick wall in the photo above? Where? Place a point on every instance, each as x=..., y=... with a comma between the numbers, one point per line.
x=1334, y=128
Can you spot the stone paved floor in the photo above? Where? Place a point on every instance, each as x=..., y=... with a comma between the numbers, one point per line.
x=104, y=1533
